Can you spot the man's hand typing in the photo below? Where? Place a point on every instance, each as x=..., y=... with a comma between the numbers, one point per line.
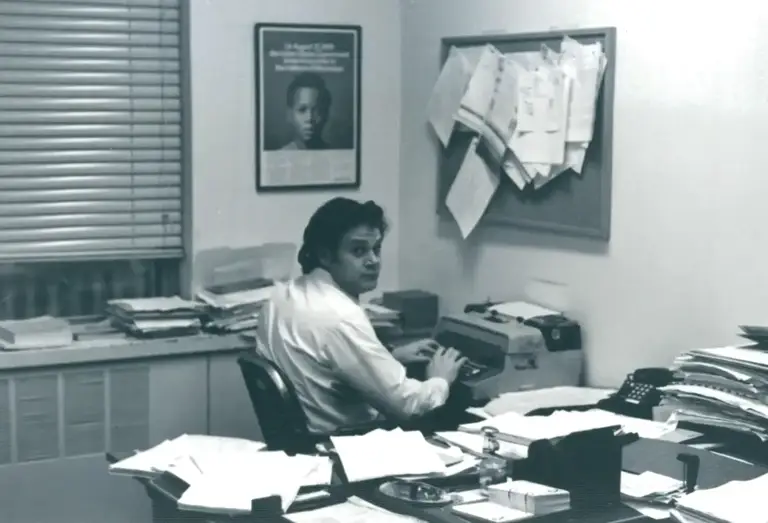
x=445, y=364
x=419, y=351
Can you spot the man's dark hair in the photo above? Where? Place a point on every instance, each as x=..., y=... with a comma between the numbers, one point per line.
x=309, y=81
x=331, y=222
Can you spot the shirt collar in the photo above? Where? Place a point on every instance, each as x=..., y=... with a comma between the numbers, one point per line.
x=321, y=275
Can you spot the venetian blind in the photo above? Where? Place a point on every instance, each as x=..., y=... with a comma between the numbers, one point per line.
x=90, y=129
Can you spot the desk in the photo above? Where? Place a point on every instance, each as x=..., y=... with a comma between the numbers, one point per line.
x=164, y=510
x=661, y=457
x=643, y=455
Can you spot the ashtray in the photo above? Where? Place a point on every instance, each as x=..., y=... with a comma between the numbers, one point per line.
x=416, y=492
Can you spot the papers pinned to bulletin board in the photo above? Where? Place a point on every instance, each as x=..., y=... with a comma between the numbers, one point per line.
x=532, y=111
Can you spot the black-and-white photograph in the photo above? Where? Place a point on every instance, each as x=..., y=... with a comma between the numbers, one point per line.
x=307, y=106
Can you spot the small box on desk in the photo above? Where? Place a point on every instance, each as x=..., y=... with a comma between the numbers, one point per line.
x=418, y=309
x=586, y=464
x=527, y=496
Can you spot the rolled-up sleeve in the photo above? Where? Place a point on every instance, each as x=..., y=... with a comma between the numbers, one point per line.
x=362, y=361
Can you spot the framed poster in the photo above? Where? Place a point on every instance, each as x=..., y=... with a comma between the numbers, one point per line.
x=307, y=106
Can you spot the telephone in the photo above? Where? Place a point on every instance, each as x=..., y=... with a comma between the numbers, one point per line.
x=639, y=393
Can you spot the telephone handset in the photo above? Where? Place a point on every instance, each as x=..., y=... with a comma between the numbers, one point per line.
x=639, y=393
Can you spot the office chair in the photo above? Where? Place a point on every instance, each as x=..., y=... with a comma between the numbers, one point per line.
x=280, y=415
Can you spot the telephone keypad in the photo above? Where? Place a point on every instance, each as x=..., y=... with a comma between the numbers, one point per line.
x=636, y=392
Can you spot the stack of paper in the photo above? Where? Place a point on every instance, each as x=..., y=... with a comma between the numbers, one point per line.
x=521, y=310
x=382, y=454
x=734, y=502
x=235, y=307
x=153, y=317
x=225, y=475
x=644, y=428
x=725, y=387
x=35, y=333
x=530, y=497
x=523, y=402
x=533, y=112
x=523, y=430
x=756, y=333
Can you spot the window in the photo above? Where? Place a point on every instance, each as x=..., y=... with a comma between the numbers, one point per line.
x=92, y=163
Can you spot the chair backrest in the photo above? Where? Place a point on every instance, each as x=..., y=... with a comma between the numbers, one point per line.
x=281, y=419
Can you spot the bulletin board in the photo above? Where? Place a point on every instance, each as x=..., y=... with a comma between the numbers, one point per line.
x=571, y=204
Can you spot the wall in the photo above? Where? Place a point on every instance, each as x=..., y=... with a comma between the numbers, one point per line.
x=227, y=211
x=685, y=264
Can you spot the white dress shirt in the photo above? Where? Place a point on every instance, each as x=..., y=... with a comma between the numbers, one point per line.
x=325, y=344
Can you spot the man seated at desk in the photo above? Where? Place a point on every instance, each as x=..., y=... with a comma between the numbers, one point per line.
x=316, y=332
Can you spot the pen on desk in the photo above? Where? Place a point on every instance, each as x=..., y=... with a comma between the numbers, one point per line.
x=438, y=442
x=192, y=459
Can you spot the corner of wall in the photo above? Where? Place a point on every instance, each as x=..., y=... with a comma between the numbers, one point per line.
x=402, y=6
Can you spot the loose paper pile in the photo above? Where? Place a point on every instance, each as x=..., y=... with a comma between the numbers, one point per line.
x=382, y=454
x=734, y=502
x=650, y=493
x=517, y=432
x=197, y=449
x=225, y=474
x=229, y=486
x=533, y=112
x=525, y=401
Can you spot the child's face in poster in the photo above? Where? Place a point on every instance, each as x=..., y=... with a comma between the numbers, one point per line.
x=307, y=116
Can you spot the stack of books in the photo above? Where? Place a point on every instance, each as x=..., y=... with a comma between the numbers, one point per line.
x=527, y=496
x=724, y=387
x=156, y=317
x=234, y=307
x=43, y=332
